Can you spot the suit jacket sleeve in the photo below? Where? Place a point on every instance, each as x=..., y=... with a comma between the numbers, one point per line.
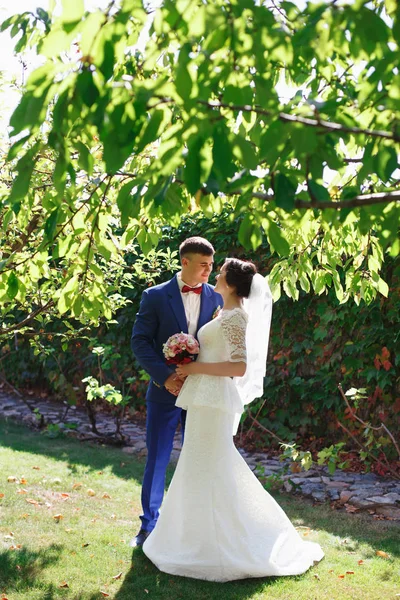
x=142, y=341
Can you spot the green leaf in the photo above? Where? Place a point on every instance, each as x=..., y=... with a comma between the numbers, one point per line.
x=244, y=152
x=192, y=172
x=183, y=81
x=12, y=285
x=72, y=10
x=284, y=192
x=249, y=233
x=51, y=224
x=383, y=287
x=222, y=154
x=55, y=42
x=60, y=174
x=107, y=65
x=304, y=282
x=272, y=142
x=87, y=88
x=318, y=191
x=25, y=168
x=30, y=112
x=304, y=139
x=85, y=161
x=385, y=162
x=128, y=204
x=151, y=130
x=145, y=241
x=276, y=238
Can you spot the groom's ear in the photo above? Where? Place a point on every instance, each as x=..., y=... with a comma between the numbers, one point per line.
x=184, y=261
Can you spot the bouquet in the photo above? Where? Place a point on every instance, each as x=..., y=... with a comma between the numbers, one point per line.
x=180, y=349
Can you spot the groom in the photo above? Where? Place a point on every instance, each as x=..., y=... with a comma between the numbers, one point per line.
x=185, y=303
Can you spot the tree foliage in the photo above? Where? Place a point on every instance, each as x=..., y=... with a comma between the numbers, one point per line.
x=116, y=135
x=316, y=344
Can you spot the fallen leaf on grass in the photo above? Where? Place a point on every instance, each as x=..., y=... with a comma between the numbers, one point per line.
x=22, y=491
x=118, y=576
x=36, y=468
x=340, y=576
x=12, y=479
x=105, y=495
x=76, y=486
x=382, y=554
x=63, y=584
x=360, y=562
x=68, y=529
x=23, y=481
x=91, y=492
x=1, y=495
x=85, y=545
x=349, y=572
x=104, y=594
x=30, y=501
x=25, y=516
x=113, y=516
x=350, y=509
x=64, y=495
x=99, y=472
x=317, y=577
x=58, y=518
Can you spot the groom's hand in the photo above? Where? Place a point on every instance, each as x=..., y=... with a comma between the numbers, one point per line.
x=173, y=384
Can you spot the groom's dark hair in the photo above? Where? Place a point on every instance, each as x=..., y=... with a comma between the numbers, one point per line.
x=196, y=245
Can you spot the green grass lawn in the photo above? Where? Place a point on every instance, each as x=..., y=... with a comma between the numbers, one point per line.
x=54, y=534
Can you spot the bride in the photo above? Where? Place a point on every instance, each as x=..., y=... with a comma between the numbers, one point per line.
x=217, y=521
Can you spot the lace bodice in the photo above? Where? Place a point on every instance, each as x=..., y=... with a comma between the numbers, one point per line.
x=221, y=340
x=224, y=338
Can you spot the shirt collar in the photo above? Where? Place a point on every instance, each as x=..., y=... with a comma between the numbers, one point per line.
x=181, y=283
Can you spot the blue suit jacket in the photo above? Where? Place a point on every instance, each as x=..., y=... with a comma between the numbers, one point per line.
x=161, y=314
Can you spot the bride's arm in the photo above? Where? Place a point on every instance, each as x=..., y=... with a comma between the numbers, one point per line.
x=220, y=369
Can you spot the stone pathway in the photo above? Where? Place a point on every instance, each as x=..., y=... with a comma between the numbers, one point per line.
x=379, y=496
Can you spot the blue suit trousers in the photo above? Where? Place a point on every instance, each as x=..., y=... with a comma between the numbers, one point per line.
x=161, y=424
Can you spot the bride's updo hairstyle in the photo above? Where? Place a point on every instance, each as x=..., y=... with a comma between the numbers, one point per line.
x=239, y=274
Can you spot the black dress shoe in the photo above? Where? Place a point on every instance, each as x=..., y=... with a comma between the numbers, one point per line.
x=140, y=538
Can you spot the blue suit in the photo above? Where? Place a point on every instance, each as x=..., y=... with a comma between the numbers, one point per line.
x=161, y=314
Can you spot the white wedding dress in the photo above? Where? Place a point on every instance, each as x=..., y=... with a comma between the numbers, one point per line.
x=217, y=521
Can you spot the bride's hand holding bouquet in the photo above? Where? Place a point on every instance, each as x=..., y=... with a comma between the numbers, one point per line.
x=181, y=349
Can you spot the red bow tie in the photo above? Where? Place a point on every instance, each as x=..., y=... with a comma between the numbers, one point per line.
x=187, y=288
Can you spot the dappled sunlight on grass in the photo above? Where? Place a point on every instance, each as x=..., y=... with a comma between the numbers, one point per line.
x=70, y=510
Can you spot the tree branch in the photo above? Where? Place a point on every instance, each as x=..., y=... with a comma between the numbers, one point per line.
x=334, y=127
x=362, y=200
x=258, y=424
x=365, y=449
x=31, y=316
x=364, y=424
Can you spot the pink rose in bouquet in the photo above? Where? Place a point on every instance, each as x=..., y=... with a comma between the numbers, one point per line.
x=180, y=348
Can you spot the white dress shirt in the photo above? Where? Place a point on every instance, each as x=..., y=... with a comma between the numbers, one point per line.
x=191, y=304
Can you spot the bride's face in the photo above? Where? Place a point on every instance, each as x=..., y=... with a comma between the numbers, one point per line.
x=221, y=286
